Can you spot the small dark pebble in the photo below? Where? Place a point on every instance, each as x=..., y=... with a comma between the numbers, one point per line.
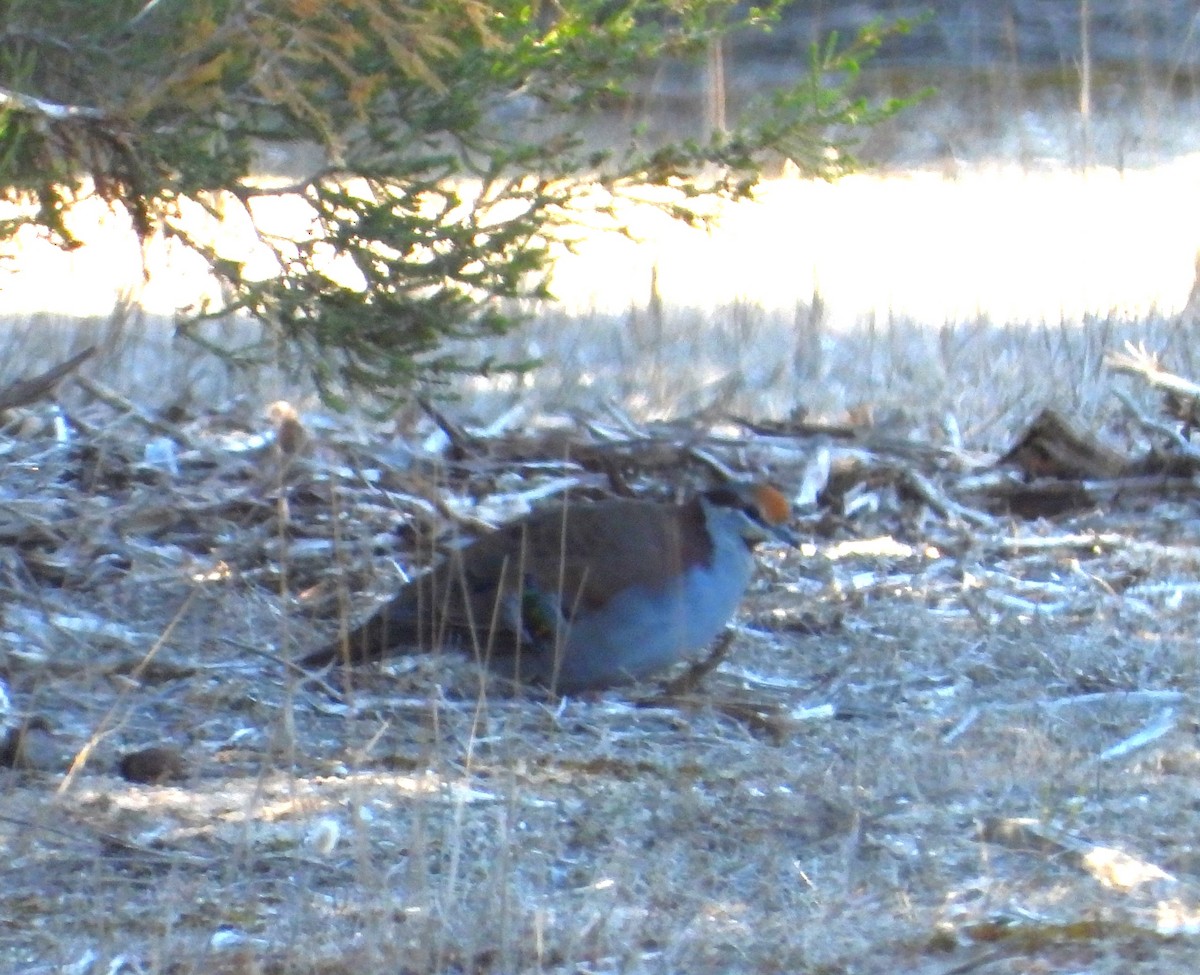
x=151, y=765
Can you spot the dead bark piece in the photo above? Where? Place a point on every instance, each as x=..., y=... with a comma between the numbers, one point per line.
x=25, y=391
x=1054, y=446
x=1049, y=497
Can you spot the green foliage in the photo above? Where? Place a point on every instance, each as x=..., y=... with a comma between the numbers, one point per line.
x=450, y=136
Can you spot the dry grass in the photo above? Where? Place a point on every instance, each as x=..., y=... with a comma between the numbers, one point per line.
x=491, y=833
x=498, y=834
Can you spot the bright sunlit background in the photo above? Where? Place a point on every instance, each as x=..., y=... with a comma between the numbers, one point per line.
x=993, y=239
x=1021, y=199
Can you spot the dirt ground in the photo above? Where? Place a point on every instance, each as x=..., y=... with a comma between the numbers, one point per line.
x=931, y=748
x=934, y=746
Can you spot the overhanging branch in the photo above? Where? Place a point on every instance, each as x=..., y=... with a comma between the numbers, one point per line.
x=16, y=101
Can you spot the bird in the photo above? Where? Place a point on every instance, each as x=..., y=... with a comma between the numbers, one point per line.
x=583, y=596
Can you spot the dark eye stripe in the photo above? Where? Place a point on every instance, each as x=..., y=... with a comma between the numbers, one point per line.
x=725, y=497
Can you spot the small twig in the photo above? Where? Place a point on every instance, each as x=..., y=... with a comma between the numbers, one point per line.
x=1085, y=541
x=306, y=676
x=962, y=725
x=107, y=721
x=1169, y=589
x=622, y=419
x=1160, y=726
x=1111, y=697
x=715, y=465
x=949, y=509
x=110, y=838
x=1104, y=699
x=699, y=669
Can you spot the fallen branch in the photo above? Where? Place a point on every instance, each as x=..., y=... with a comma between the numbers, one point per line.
x=25, y=391
x=1047, y=497
x=122, y=404
x=1136, y=360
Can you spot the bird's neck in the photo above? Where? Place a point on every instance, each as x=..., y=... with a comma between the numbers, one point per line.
x=696, y=543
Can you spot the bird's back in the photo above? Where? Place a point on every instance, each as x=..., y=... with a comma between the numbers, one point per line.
x=570, y=552
x=569, y=555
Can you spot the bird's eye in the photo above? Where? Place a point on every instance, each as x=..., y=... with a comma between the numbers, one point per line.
x=751, y=511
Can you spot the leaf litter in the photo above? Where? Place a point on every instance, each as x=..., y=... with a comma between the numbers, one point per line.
x=956, y=732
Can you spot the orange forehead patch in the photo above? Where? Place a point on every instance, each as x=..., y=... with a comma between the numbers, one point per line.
x=774, y=506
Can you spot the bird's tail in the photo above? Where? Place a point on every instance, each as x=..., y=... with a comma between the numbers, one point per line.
x=392, y=630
